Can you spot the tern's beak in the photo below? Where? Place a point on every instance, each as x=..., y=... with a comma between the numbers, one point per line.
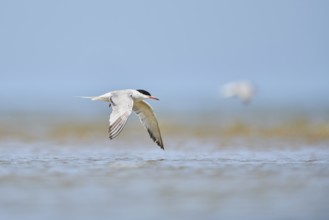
x=152, y=97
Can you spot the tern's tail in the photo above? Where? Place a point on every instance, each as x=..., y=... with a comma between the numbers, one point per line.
x=94, y=98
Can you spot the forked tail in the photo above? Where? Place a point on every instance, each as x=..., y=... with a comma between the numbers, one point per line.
x=94, y=98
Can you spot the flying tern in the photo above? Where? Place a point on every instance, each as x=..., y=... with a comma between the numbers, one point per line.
x=123, y=102
x=244, y=90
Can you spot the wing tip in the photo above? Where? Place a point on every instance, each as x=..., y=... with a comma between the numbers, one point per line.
x=159, y=141
x=160, y=144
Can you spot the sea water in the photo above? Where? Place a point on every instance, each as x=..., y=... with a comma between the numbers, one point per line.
x=61, y=171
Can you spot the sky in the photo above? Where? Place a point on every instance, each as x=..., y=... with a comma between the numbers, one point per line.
x=180, y=51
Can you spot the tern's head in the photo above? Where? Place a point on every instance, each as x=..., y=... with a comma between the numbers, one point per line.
x=143, y=94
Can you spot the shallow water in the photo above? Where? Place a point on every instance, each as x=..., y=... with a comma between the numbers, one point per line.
x=58, y=181
x=69, y=170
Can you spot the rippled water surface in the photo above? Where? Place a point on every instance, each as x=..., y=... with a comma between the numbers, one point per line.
x=198, y=176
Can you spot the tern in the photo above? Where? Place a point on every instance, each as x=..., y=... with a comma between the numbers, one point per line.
x=244, y=90
x=123, y=102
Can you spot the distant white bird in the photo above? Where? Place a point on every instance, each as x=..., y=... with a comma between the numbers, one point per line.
x=244, y=90
x=123, y=102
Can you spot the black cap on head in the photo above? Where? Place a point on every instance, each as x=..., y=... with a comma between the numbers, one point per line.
x=144, y=92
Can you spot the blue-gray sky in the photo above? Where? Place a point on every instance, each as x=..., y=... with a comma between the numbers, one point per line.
x=51, y=51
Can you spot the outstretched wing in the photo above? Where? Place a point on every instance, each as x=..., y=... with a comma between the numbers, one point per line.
x=148, y=119
x=121, y=109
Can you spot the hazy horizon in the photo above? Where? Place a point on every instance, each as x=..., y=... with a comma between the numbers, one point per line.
x=181, y=52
